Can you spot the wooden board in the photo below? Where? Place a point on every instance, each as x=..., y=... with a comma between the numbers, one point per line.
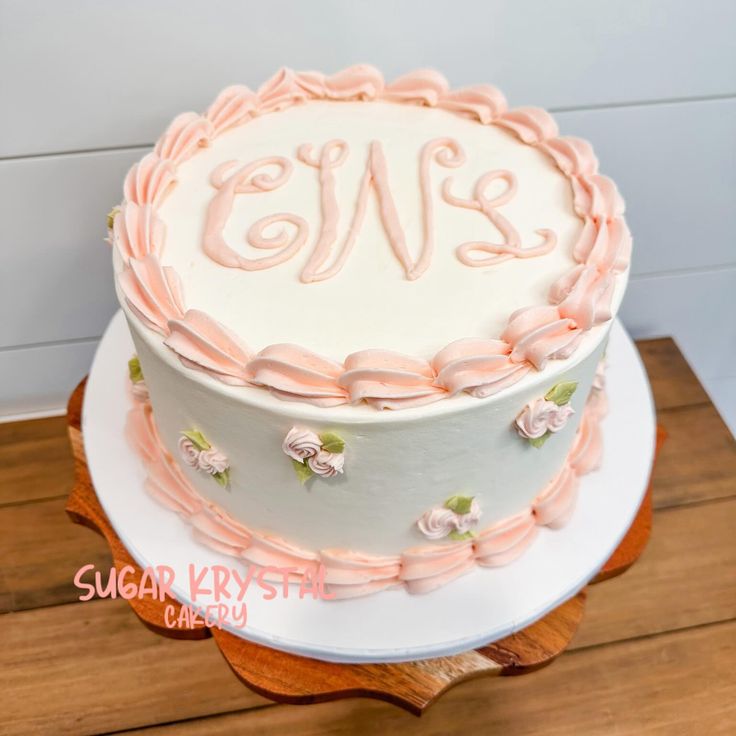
x=289, y=678
x=626, y=689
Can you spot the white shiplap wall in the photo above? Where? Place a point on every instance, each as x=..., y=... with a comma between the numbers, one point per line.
x=87, y=85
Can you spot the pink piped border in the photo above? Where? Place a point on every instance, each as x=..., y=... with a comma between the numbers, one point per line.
x=351, y=574
x=578, y=301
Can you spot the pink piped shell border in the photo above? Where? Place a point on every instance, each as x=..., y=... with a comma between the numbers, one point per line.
x=349, y=574
x=578, y=301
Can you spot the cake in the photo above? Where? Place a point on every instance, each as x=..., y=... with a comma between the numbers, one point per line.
x=369, y=322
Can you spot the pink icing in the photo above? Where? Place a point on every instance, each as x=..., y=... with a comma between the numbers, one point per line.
x=604, y=243
x=349, y=574
x=184, y=136
x=139, y=391
x=359, y=82
x=440, y=522
x=573, y=156
x=542, y=416
x=555, y=505
x=578, y=300
x=188, y=451
x=599, y=379
x=215, y=529
x=483, y=102
x=137, y=231
x=505, y=541
x=282, y=90
x=301, y=443
x=445, y=151
x=437, y=523
x=292, y=372
x=332, y=155
x=209, y=460
x=587, y=452
x=326, y=464
x=531, y=124
x=540, y=333
x=245, y=180
x=389, y=380
x=167, y=484
x=204, y=344
x=149, y=180
x=584, y=295
x=424, y=569
x=152, y=292
x=422, y=87
x=266, y=550
x=479, y=366
x=233, y=106
x=165, y=481
x=511, y=247
x=212, y=461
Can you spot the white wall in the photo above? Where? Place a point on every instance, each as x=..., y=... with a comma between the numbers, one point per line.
x=86, y=85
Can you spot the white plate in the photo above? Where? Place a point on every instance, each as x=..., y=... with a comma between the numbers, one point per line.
x=480, y=607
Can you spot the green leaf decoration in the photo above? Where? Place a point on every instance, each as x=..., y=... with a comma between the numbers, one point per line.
x=459, y=504
x=332, y=442
x=562, y=392
x=539, y=441
x=458, y=537
x=222, y=478
x=111, y=217
x=197, y=439
x=302, y=470
x=134, y=370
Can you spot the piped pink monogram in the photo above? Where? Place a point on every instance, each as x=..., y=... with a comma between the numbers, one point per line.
x=246, y=180
x=324, y=262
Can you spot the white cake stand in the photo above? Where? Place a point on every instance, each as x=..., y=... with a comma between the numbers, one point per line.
x=483, y=606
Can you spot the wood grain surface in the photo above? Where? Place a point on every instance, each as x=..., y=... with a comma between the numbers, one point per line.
x=654, y=655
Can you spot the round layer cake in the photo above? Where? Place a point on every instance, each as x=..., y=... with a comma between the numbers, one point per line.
x=369, y=320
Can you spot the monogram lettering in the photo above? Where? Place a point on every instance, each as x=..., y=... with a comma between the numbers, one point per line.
x=446, y=152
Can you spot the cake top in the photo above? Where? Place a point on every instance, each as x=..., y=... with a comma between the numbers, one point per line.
x=321, y=240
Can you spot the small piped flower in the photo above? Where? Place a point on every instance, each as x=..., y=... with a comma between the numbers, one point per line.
x=198, y=453
x=455, y=519
x=541, y=418
x=188, y=451
x=314, y=454
x=326, y=464
x=300, y=444
x=212, y=461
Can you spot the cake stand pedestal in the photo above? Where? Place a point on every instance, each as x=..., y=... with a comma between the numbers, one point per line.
x=289, y=678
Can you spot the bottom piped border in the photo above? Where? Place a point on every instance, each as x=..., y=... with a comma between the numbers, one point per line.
x=349, y=574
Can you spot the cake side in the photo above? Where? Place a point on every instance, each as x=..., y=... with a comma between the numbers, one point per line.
x=396, y=466
x=190, y=489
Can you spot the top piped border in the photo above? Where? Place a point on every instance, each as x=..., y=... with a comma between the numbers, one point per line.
x=578, y=301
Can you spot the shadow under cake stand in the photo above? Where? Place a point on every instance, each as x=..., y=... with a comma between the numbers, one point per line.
x=290, y=678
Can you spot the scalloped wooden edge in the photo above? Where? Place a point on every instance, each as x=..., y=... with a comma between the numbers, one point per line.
x=289, y=678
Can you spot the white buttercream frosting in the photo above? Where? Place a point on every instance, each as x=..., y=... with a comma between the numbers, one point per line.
x=351, y=310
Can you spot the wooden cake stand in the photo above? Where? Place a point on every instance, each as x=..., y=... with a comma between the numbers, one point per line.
x=289, y=678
